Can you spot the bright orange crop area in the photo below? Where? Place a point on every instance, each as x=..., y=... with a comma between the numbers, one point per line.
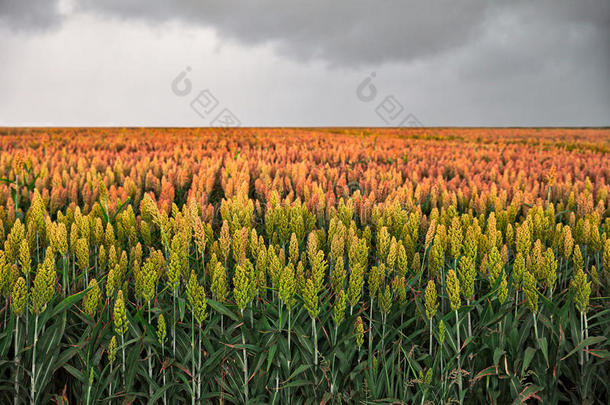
x=282, y=265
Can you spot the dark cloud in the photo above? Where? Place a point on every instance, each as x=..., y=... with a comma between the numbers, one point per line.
x=363, y=32
x=29, y=15
x=466, y=62
x=360, y=32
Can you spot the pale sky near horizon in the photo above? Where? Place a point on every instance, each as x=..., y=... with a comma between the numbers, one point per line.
x=305, y=63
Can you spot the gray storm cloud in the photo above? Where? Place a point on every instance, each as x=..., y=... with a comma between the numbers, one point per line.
x=355, y=32
x=31, y=15
x=464, y=62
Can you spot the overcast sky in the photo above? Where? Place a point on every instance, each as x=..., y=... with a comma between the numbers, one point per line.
x=305, y=63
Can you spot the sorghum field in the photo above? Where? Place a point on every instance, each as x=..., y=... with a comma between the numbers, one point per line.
x=304, y=266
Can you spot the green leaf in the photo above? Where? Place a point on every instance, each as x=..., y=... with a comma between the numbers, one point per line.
x=588, y=341
x=527, y=358
x=223, y=310
x=270, y=355
x=544, y=348
x=529, y=392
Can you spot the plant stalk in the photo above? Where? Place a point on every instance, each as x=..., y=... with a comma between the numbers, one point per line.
x=194, y=387
x=469, y=323
x=17, y=361
x=123, y=364
x=245, y=359
x=430, y=327
x=459, y=350
x=315, y=342
x=33, y=391
x=586, y=336
x=199, y=367
x=174, y=324
x=150, y=373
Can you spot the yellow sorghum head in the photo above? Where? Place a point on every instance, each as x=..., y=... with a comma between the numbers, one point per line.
x=494, y=265
x=594, y=279
x=437, y=258
x=582, y=290
x=293, y=249
x=376, y=277
x=530, y=290
x=109, y=236
x=19, y=297
x=385, y=300
x=392, y=255
x=595, y=242
x=359, y=329
x=537, y=260
x=441, y=332
x=467, y=273
x=430, y=299
x=337, y=247
x=310, y=299
x=430, y=232
x=112, y=258
x=402, y=264
x=503, y=289
x=224, y=241
x=82, y=254
x=338, y=275
x=427, y=379
x=112, y=281
x=120, y=314
x=568, y=242
x=149, y=272
x=60, y=239
x=398, y=288
x=261, y=267
x=239, y=243
x=5, y=280
x=98, y=232
x=318, y=270
x=24, y=257
x=112, y=349
x=177, y=263
x=161, y=329
x=518, y=269
x=102, y=257
x=201, y=305
x=578, y=259
x=415, y=263
x=287, y=285
x=44, y=284
x=510, y=236
x=383, y=244
x=241, y=286
x=74, y=235
x=219, y=285
x=550, y=267
x=274, y=267
x=455, y=237
x=453, y=290
x=339, y=307
x=13, y=241
x=92, y=298
x=606, y=256
x=197, y=298
x=470, y=242
x=524, y=241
